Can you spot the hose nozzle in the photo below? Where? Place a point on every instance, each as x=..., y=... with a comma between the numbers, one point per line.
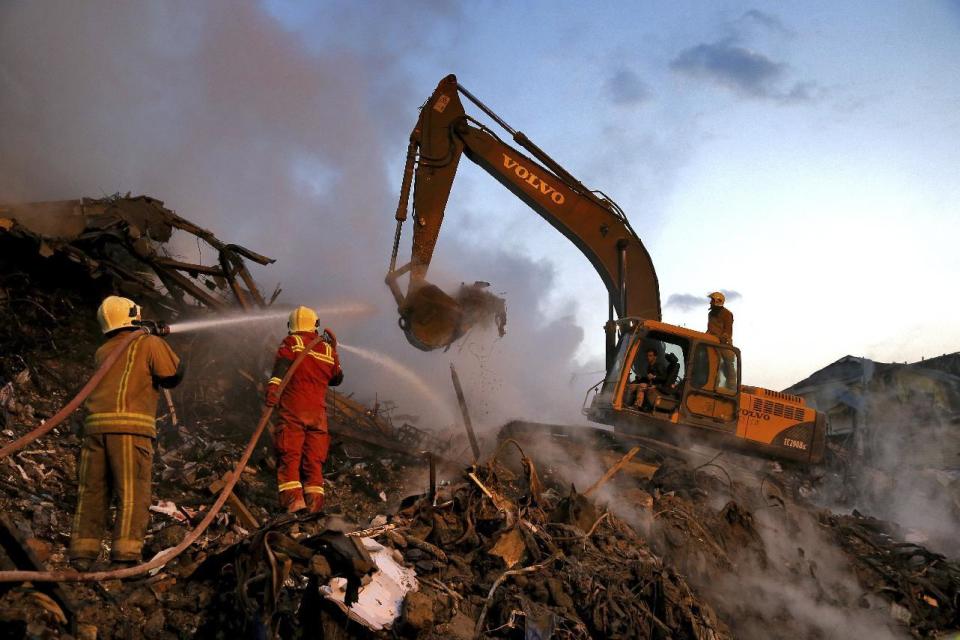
x=154, y=327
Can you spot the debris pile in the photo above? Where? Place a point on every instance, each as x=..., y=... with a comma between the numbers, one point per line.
x=923, y=587
x=124, y=240
x=656, y=543
x=512, y=556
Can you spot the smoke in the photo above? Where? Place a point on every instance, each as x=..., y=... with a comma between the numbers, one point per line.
x=291, y=146
x=906, y=466
x=804, y=589
x=690, y=302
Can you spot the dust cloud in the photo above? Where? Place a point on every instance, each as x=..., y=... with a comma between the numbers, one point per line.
x=291, y=147
x=904, y=470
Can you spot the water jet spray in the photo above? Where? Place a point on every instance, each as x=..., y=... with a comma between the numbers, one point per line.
x=352, y=309
x=403, y=372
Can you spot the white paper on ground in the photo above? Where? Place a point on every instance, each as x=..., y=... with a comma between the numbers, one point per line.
x=380, y=600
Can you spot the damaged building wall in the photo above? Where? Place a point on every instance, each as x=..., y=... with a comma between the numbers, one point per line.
x=124, y=239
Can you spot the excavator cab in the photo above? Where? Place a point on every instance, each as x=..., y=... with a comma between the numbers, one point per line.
x=705, y=392
x=707, y=403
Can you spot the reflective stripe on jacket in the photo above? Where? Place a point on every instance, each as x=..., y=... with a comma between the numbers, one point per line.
x=125, y=401
x=306, y=393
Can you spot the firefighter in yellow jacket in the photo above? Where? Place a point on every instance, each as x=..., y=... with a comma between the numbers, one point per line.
x=116, y=455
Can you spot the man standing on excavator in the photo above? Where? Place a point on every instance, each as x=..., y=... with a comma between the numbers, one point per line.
x=720, y=319
x=720, y=324
x=117, y=448
x=301, y=438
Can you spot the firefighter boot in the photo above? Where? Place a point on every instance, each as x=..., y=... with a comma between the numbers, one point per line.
x=314, y=497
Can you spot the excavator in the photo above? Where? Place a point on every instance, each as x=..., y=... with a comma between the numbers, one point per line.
x=708, y=405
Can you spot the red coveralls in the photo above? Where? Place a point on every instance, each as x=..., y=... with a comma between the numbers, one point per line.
x=301, y=438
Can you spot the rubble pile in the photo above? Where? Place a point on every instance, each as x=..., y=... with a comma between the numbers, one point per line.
x=515, y=557
x=122, y=241
x=654, y=544
x=923, y=587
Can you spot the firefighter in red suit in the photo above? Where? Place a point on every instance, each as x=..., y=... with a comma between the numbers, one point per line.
x=301, y=438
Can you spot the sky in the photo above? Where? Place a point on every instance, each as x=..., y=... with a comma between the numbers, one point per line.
x=802, y=157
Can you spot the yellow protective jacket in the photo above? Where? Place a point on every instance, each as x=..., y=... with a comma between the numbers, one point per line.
x=720, y=324
x=125, y=401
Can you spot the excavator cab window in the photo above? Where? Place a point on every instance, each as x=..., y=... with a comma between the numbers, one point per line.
x=613, y=376
x=715, y=369
x=635, y=359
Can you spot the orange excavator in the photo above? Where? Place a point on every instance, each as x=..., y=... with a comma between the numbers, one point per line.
x=707, y=402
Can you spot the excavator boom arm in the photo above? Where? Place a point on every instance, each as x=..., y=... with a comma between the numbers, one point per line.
x=593, y=224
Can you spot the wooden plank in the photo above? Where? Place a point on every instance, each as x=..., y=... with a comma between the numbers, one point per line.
x=227, y=263
x=246, y=518
x=188, y=285
x=612, y=471
x=466, y=415
x=190, y=267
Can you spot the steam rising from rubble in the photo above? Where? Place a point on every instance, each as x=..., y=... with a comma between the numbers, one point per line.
x=290, y=147
x=909, y=472
x=805, y=580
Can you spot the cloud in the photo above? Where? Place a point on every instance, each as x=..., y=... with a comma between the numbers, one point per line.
x=767, y=21
x=626, y=88
x=724, y=62
x=746, y=72
x=690, y=301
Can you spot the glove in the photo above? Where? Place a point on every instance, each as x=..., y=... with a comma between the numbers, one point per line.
x=271, y=396
x=329, y=336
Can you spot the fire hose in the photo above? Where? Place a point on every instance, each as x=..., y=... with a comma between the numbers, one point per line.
x=169, y=554
x=71, y=406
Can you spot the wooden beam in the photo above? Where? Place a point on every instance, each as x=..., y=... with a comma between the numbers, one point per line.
x=228, y=264
x=247, y=519
x=467, y=424
x=189, y=267
x=188, y=285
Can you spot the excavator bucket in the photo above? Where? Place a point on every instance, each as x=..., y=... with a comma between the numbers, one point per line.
x=432, y=319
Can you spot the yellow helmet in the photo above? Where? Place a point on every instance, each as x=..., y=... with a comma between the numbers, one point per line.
x=302, y=319
x=116, y=312
x=717, y=298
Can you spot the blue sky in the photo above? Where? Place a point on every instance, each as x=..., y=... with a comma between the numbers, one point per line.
x=802, y=155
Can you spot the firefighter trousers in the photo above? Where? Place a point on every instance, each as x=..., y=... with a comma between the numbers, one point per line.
x=301, y=451
x=113, y=465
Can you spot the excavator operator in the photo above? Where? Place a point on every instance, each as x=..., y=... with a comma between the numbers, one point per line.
x=664, y=386
x=301, y=438
x=652, y=377
x=117, y=449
